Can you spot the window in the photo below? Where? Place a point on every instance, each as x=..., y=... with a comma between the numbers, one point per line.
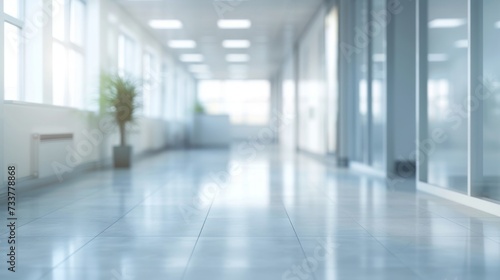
x=13, y=50
x=488, y=182
x=151, y=97
x=126, y=55
x=12, y=55
x=246, y=102
x=68, y=32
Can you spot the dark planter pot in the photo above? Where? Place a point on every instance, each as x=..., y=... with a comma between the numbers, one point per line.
x=122, y=156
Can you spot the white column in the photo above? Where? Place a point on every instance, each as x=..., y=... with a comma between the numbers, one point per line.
x=2, y=117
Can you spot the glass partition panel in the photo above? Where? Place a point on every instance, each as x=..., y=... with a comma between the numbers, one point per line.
x=491, y=105
x=378, y=85
x=447, y=94
x=361, y=116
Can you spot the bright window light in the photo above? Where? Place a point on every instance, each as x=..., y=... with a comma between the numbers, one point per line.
x=437, y=57
x=182, y=44
x=250, y=106
x=462, y=44
x=446, y=23
x=59, y=74
x=13, y=61
x=234, y=23
x=191, y=57
x=59, y=20
x=11, y=7
x=165, y=24
x=237, y=58
x=236, y=44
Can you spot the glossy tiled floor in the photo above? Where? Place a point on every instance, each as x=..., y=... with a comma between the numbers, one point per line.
x=179, y=215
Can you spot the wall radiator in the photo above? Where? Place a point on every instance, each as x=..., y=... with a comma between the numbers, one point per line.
x=46, y=149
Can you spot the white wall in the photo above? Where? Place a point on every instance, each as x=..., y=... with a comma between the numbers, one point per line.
x=288, y=139
x=2, y=120
x=22, y=120
x=312, y=88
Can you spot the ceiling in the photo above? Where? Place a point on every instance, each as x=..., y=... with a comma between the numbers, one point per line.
x=276, y=24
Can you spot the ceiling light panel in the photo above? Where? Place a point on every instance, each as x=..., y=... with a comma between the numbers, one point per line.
x=236, y=44
x=199, y=68
x=447, y=23
x=182, y=44
x=191, y=58
x=234, y=23
x=165, y=24
x=237, y=58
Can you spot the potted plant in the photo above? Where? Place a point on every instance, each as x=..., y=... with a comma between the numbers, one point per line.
x=199, y=109
x=119, y=98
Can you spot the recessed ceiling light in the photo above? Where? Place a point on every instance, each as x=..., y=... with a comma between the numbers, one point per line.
x=236, y=44
x=165, y=24
x=446, y=23
x=234, y=23
x=191, y=58
x=237, y=58
x=437, y=57
x=462, y=44
x=497, y=24
x=182, y=44
x=199, y=68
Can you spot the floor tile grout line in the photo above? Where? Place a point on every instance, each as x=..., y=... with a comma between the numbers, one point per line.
x=399, y=259
x=298, y=240
x=57, y=209
x=483, y=236
x=93, y=238
x=392, y=253
x=197, y=239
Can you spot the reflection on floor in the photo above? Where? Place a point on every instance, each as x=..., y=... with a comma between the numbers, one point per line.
x=179, y=215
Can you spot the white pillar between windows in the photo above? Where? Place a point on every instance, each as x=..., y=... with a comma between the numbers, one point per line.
x=2, y=117
x=47, y=56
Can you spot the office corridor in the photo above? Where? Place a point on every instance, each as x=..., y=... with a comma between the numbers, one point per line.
x=178, y=215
